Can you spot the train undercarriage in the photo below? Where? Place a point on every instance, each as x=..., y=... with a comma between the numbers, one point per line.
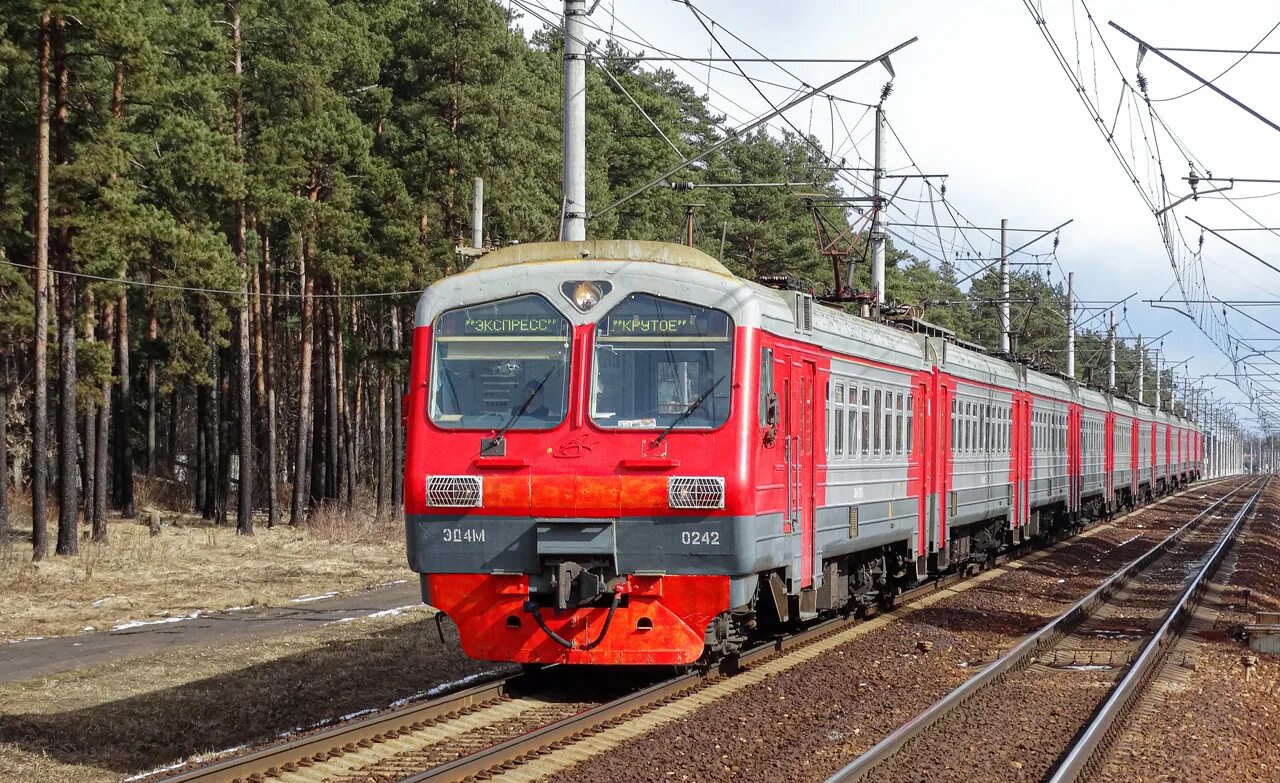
x=869, y=581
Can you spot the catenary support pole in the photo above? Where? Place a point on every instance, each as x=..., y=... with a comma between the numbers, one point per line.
x=477, y=213
x=1142, y=371
x=1157, y=403
x=1071, y=329
x=1111, y=352
x=1004, y=285
x=574, y=133
x=877, y=215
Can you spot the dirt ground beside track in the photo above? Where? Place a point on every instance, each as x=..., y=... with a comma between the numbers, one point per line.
x=807, y=722
x=106, y=722
x=195, y=567
x=1209, y=721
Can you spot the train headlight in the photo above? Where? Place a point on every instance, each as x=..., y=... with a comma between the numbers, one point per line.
x=585, y=294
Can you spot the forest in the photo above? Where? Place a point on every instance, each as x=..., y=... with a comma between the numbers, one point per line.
x=215, y=219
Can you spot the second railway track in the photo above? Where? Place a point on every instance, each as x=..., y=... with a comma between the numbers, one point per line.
x=1027, y=716
x=517, y=728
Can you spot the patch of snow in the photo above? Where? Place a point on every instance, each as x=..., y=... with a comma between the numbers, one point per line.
x=436, y=690
x=389, y=584
x=444, y=686
x=1062, y=581
x=26, y=639
x=399, y=610
x=415, y=697
x=87, y=628
x=374, y=615
x=197, y=759
x=237, y=608
x=101, y=601
x=1088, y=667
x=308, y=598
x=139, y=623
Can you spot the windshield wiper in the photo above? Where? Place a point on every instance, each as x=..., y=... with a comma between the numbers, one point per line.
x=497, y=436
x=693, y=406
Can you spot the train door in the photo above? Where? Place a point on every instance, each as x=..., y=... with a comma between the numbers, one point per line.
x=798, y=423
x=918, y=467
x=938, y=452
x=1022, y=480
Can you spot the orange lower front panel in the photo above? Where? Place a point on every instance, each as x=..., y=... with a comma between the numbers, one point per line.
x=662, y=621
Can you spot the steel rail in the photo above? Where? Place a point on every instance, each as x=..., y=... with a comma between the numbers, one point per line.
x=239, y=768
x=512, y=752
x=612, y=713
x=1091, y=747
x=1021, y=655
x=289, y=753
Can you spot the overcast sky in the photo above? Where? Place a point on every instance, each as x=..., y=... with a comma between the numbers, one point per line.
x=981, y=98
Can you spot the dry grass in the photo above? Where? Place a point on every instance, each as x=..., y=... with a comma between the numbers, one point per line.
x=191, y=565
x=99, y=723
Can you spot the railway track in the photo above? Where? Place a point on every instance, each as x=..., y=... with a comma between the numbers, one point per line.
x=1052, y=703
x=523, y=727
x=1103, y=735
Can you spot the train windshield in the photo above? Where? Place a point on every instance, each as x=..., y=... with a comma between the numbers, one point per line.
x=660, y=363
x=501, y=362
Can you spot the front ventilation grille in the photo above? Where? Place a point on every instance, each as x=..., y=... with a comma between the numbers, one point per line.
x=695, y=492
x=455, y=491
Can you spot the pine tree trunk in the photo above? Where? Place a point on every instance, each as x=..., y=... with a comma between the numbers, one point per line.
x=348, y=412
x=397, y=419
x=382, y=450
x=319, y=420
x=269, y=373
x=4, y=453
x=297, y=511
x=256, y=328
x=68, y=432
x=224, y=433
x=153, y=334
x=40, y=415
x=102, y=437
x=89, y=421
x=211, y=447
x=204, y=505
x=124, y=414
x=88, y=437
x=333, y=446
x=171, y=439
x=244, y=506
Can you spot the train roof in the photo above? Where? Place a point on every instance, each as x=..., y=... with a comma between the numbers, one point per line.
x=517, y=271
x=602, y=250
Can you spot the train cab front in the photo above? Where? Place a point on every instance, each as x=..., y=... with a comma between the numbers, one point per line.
x=571, y=460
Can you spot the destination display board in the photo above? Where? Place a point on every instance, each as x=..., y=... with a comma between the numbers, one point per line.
x=649, y=317
x=525, y=316
x=508, y=326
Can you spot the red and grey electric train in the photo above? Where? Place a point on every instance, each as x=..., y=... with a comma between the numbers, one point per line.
x=621, y=453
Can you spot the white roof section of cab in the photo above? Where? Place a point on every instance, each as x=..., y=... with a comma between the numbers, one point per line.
x=659, y=268
x=601, y=250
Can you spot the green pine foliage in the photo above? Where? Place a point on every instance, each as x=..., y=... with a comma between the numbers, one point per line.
x=364, y=125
